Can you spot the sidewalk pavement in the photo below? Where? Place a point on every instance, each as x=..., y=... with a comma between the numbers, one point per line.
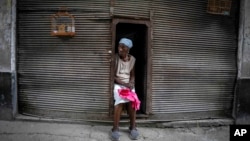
x=57, y=131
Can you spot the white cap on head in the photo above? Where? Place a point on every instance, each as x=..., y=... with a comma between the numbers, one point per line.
x=127, y=42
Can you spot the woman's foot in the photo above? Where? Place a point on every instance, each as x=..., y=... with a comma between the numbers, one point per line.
x=115, y=135
x=133, y=134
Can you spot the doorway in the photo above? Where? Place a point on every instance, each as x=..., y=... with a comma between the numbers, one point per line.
x=138, y=33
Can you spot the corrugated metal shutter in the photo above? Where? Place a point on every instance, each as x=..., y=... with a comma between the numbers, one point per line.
x=133, y=8
x=63, y=77
x=194, y=58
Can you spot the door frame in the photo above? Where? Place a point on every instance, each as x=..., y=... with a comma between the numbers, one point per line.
x=147, y=23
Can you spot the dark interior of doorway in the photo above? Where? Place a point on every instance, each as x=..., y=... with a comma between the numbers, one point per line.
x=138, y=34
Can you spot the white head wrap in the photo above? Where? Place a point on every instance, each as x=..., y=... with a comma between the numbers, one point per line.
x=127, y=42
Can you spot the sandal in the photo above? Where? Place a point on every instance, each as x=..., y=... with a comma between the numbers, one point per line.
x=114, y=135
x=133, y=134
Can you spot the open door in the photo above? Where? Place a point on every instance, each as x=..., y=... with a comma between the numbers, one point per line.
x=138, y=31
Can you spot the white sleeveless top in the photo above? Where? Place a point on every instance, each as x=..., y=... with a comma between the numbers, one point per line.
x=124, y=69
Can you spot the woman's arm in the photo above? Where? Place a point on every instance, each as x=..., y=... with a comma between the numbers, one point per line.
x=132, y=78
x=118, y=81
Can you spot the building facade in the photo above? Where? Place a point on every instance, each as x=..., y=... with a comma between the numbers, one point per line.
x=190, y=64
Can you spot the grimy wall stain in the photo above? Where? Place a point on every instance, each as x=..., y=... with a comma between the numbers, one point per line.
x=5, y=35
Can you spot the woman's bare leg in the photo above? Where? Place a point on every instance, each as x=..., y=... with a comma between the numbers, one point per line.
x=132, y=115
x=117, y=115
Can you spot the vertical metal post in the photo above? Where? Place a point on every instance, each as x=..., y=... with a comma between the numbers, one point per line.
x=13, y=58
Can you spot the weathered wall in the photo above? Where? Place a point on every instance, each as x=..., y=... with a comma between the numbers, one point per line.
x=242, y=102
x=5, y=35
x=243, y=89
x=245, y=72
x=5, y=59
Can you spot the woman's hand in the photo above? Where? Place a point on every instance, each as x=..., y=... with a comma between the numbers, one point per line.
x=129, y=85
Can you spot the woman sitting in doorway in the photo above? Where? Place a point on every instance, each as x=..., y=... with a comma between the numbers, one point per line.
x=124, y=78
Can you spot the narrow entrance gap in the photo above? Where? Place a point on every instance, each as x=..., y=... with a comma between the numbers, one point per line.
x=138, y=34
